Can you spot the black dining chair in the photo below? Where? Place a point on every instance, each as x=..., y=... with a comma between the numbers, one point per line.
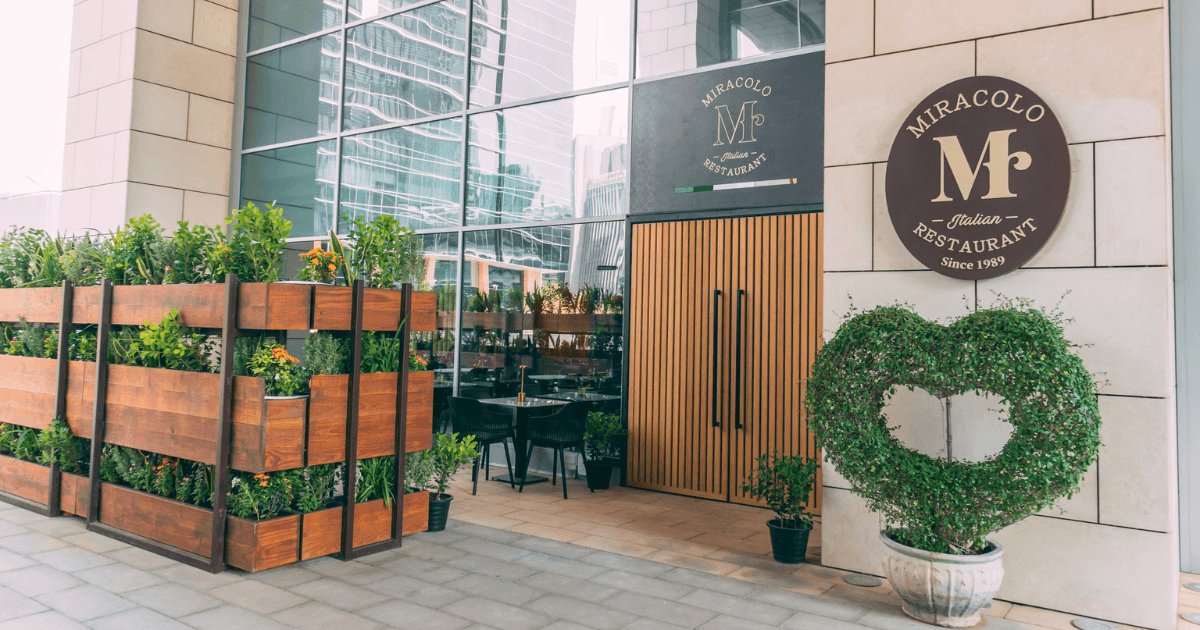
x=557, y=432
x=472, y=417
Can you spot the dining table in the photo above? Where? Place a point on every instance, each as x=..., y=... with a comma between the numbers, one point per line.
x=521, y=412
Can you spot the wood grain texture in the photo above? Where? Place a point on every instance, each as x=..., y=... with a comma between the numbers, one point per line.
x=163, y=411
x=377, y=416
x=268, y=435
x=25, y=479
x=372, y=523
x=199, y=305
x=27, y=391
x=776, y=260
x=321, y=534
x=81, y=394
x=416, y=513
x=381, y=309
x=424, y=312
x=322, y=530
x=170, y=522
x=74, y=496
x=36, y=306
x=274, y=306
x=259, y=545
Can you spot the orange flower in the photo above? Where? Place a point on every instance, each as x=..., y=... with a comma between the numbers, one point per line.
x=332, y=267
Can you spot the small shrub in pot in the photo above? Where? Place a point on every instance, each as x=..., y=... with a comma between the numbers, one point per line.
x=784, y=483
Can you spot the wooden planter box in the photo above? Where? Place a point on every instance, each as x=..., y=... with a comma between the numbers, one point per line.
x=36, y=306
x=28, y=390
x=167, y=521
x=259, y=545
x=175, y=413
x=509, y=322
x=26, y=480
x=261, y=306
x=381, y=309
x=321, y=534
x=74, y=496
x=376, y=415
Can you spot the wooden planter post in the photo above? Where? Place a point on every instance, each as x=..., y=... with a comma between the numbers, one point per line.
x=350, y=476
x=103, y=327
x=229, y=334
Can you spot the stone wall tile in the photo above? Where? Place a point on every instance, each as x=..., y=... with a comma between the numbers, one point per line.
x=86, y=20
x=855, y=546
x=1111, y=573
x=119, y=16
x=1131, y=202
x=848, y=218
x=866, y=100
x=184, y=67
x=908, y=24
x=1121, y=315
x=100, y=64
x=215, y=27
x=933, y=295
x=1105, y=8
x=1073, y=243
x=81, y=117
x=1103, y=78
x=94, y=161
x=1136, y=463
x=164, y=204
x=73, y=73
x=160, y=110
x=205, y=209
x=121, y=141
x=113, y=107
x=890, y=253
x=75, y=211
x=128, y=54
x=108, y=205
x=850, y=29
x=210, y=121
x=178, y=164
x=172, y=18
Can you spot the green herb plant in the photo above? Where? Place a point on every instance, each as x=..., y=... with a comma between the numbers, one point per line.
x=31, y=340
x=182, y=480
x=256, y=245
x=325, y=353
x=418, y=471
x=784, y=483
x=384, y=254
x=450, y=454
x=282, y=372
x=135, y=253
x=376, y=480
x=59, y=446
x=263, y=496
x=601, y=436
x=316, y=486
x=191, y=255
x=167, y=344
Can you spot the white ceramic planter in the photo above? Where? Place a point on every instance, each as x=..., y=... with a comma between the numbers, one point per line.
x=943, y=589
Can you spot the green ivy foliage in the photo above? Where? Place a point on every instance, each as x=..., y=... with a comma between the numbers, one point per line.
x=1012, y=351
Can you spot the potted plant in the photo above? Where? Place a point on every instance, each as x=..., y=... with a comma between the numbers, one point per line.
x=320, y=266
x=938, y=512
x=601, y=448
x=784, y=483
x=448, y=454
x=285, y=377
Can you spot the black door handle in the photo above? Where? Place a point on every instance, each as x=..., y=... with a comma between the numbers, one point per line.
x=716, y=357
x=737, y=365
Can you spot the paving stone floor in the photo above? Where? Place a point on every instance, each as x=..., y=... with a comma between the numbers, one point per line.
x=55, y=574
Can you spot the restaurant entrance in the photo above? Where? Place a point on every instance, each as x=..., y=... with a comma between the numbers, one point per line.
x=725, y=320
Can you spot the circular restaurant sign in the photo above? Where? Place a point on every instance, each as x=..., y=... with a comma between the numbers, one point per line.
x=977, y=178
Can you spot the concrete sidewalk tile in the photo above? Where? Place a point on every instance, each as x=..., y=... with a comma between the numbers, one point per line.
x=801, y=602
x=198, y=579
x=588, y=614
x=422, y=570
x=136, y=619
x=286, y=577
x=339, y=594
x=10, y=561
x=660, y=609
x=119, y=578
x=562, y=566
x=85, y=602
x=71, y=559
x=729, y=622
x=737, y=607
x=492, y=567
x=59, y=527
x=651, y=624
x=580, y=589
x=257, y=597
x=497, y=615
x=470, y=530
x=37, y=580
x=625, y=563
x=707, y=565
x=808, y=621
x=410, y=616
x=317, y=616
x=781, y=580
x=22, y=516
x=552, y=546
x=563, y=625
x=491, y=549
x=431, y=552
x=654, y=587
x=230, y=618
x=352, y=572
x=616, y=546
x=413, y=590
x=888, y=603
x=718, y=583
x=14, y=604
x=886, y=621
x=94, y=542
x=31, y=543
x=503, y=591
x=173, y=600
x=140, y=558
x=48, y=620
x=12, y=529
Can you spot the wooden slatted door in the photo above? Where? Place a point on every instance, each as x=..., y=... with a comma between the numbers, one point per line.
x=725, y=319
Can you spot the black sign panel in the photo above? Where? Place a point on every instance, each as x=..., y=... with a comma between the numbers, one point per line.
x=739, y=137
x=978, y=177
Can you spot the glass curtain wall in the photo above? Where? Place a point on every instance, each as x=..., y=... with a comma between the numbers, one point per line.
x=499, y=130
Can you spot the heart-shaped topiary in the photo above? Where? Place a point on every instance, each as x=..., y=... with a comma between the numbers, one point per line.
x=1016, y=353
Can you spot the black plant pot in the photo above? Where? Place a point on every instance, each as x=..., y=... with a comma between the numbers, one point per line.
x=788, y=544
x=599, y=474
x=439, y=509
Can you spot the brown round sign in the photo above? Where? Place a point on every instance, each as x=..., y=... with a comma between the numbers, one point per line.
x=977, y=178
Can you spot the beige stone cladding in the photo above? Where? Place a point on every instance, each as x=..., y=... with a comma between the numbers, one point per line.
x=149, y=112
x=1110, y=552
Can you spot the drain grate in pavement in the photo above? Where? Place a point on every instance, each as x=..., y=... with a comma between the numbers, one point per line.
x=1092, y=624
x=857, y=579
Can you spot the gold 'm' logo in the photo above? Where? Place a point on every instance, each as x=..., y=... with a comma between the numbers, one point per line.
x=728, y=128
x=999, y=158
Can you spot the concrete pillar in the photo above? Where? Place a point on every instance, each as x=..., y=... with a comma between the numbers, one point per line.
x=149, y=112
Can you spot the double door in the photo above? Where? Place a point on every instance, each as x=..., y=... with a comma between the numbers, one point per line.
x=725, y=319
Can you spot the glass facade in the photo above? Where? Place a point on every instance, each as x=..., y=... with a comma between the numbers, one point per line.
x=500, y=130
